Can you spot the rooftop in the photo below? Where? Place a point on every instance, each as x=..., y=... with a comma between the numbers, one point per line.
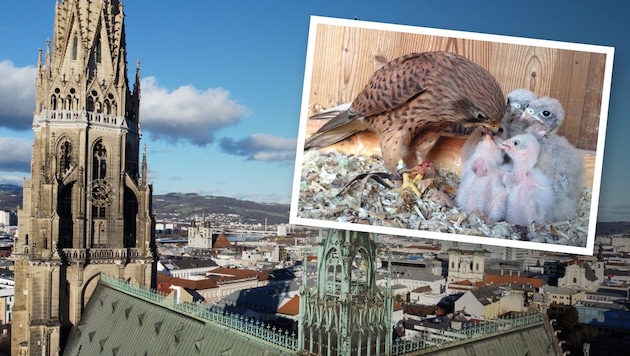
x=167, y=327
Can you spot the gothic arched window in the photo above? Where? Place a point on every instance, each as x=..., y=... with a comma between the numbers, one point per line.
x=99, y=165
x=100, y=188
x=65, y=157
x=90, y=104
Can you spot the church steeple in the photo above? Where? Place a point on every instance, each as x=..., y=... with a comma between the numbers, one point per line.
x=345, y=313
x=87, y=207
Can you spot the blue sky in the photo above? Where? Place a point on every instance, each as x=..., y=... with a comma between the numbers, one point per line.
x=238, y=66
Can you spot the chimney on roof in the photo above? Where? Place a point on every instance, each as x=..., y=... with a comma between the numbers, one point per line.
x=176, y=293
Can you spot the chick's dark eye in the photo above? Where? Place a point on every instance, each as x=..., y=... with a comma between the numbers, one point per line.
x=500, y=129
x=546, y=113
x=515, y=143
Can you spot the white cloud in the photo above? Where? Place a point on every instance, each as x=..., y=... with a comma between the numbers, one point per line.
x=186, y=113
x=261, y=147
x=19, y=159
x=13, y=180
x=17, y=96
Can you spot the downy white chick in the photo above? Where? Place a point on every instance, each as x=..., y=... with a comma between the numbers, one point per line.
x=481, y=188
x=542, y=117
x=531, y=197
x=517, y=102
x=559, y=159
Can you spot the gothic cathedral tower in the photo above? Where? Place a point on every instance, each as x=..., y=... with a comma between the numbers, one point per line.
x=87, y=206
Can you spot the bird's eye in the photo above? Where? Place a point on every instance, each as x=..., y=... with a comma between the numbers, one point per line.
x=501, y=129
x=481, y=116
x=515, y=143
x=546, y=113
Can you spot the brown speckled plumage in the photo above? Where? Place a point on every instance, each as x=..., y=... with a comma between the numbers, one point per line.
x=411, y=100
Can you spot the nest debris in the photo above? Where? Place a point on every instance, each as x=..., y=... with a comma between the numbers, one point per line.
x=345, y=188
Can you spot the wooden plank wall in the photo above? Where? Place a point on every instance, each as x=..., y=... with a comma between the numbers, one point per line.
x=345, y=58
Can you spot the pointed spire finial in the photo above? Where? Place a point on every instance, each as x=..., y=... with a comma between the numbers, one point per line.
x=144, y=165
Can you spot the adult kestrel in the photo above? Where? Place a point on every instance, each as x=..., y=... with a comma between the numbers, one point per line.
x=409, y=101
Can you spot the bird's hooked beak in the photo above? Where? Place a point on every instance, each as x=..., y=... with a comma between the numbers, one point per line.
x=493, y=127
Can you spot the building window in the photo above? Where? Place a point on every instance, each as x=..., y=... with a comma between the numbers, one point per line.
x=99, y=172
x=100, y=161
x=65, y=157
x=97, y=54
x=75, y=45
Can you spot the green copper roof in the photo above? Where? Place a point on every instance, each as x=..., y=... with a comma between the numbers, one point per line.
x=117, y=323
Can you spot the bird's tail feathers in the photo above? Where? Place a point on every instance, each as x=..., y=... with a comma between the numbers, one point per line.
x=334, y=133
x=331, y=113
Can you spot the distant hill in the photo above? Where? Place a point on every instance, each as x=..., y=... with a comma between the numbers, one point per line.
x=190, y=204
x=180, y=206
x=10, y=197
x=611, y=228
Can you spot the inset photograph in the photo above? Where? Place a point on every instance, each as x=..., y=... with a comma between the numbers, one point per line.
x=451, y=135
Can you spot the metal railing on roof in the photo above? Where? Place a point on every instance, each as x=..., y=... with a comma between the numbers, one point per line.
x=266, y=333
x=432, y=341
x=284, y=339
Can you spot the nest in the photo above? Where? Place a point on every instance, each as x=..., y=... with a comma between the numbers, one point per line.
x=347, y=188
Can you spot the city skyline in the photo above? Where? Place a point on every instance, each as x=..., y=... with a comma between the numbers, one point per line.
x=222, y=87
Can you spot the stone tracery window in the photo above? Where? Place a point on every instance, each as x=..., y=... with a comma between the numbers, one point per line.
x=65, y=157
x=99, y=166
x=99, y=180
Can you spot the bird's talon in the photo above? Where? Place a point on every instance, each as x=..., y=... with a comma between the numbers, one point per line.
x=408, y=183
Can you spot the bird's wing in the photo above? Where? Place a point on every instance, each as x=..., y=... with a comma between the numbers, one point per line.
x=394, y=84
x=336, y=129
x=331, y=113
x=390, y=87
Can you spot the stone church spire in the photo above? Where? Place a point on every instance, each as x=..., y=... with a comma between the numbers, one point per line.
x=345, y=313
x=86, y=209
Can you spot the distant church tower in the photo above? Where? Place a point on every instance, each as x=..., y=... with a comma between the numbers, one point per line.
x=345, y=313
x=465, y=266
x=87, y=207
